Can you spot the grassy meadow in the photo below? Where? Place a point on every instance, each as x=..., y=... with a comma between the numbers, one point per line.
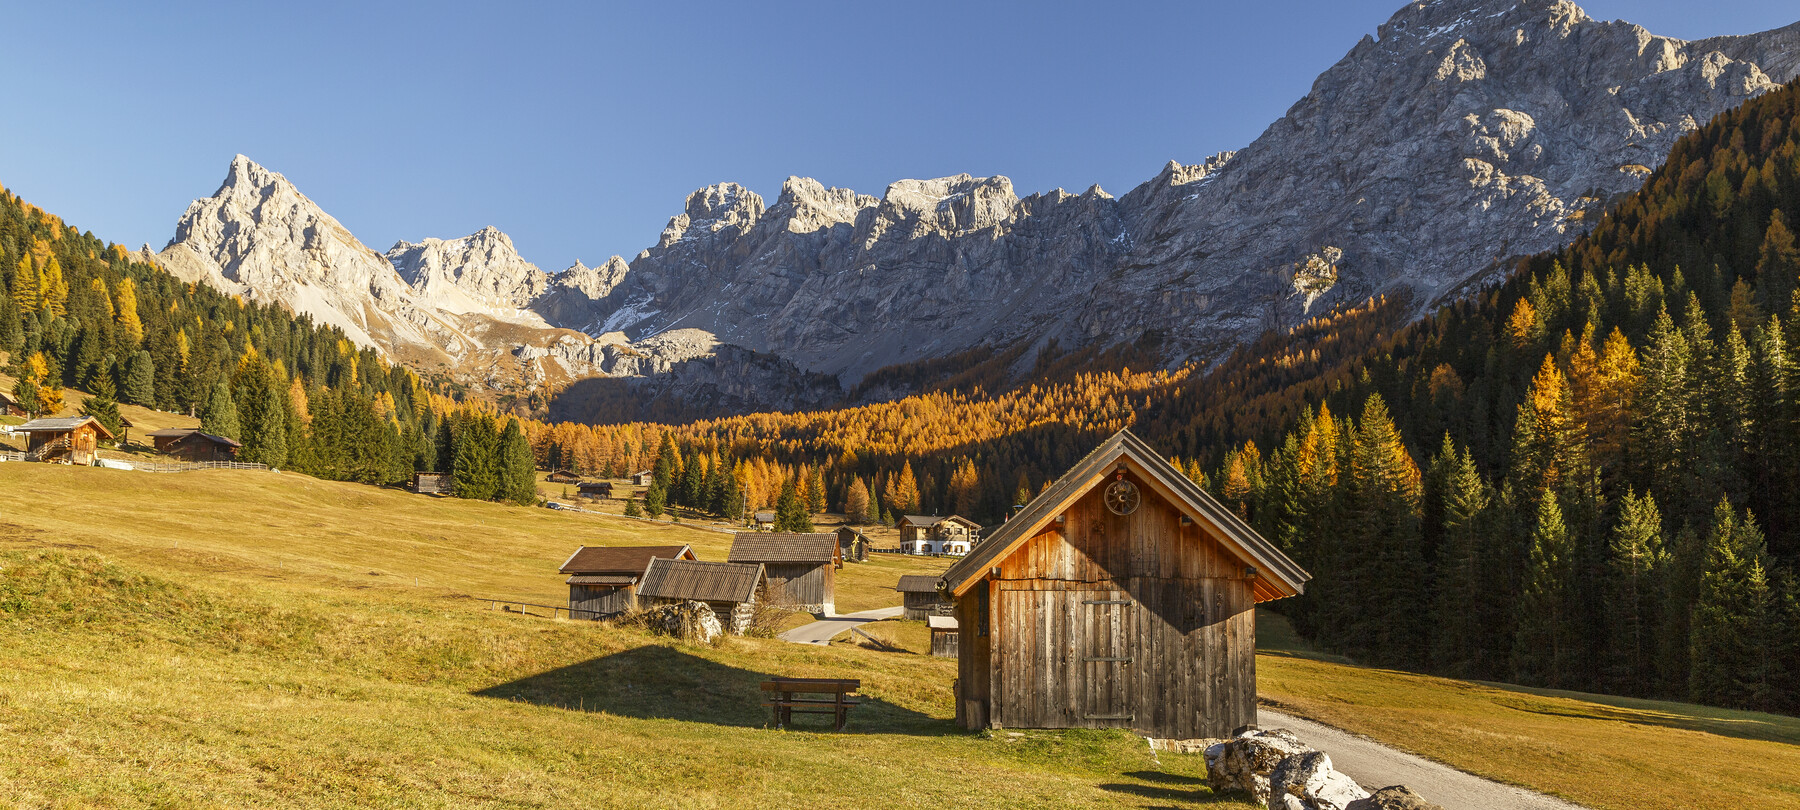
x=229, y=638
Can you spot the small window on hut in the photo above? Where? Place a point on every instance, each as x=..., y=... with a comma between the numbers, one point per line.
x=981, y=607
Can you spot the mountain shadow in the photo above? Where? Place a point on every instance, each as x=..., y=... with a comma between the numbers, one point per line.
x=662, y=682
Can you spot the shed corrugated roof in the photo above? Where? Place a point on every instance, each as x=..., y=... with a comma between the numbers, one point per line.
x=192, y=434
x=765, y=547
x=700, y=581
x=917, y=583
x=626, y=560
x=942, y=622
x=61, y=425
x=765, y=517
x=1277, y=575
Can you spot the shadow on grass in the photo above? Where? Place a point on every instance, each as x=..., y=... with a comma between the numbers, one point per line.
x=1746, y=725
x=664, y=682
x=1183, y=796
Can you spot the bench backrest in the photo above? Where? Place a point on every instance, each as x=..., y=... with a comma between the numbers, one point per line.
x=834, y=685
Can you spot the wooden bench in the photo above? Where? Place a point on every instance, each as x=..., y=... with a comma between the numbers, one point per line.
x=838, y=698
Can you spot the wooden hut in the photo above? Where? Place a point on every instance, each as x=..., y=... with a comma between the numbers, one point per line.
x=931, y=534
x=730, y=589
x=562, y=477
x=853, y=545
x=643, y=479
x=431, y=483
x=68, y=440
x=1123, y=596
x=944, y=635
x=10, y=406
x=801, y=567
x=603, y=580
x=764, y=521
x=594, y=490
x=920, y=598
x=190, y=444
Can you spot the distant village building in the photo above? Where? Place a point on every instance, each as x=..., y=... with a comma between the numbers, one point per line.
x=603, y=580
x=594, y=490
x=68, y=440
x=190, y=444
x=765, y=521
x=920, y=598
x=562, y=477
x=930, y=534
x=643, y=479
x=1123, y=596
x=10, y=406
x=801, y=568
x=853, y=545
x=431, y=483
x=730, y=589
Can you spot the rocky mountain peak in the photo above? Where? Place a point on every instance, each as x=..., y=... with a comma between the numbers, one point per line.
x=950, y=205
x=806, y=205
x=715, y=208
x=477, y=272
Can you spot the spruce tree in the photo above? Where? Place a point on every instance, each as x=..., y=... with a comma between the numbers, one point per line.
x=140, y=379
x=1542, y=644
x=517, y=467
x=1734, y=619
x=1462, y=598
x=103, y=407
x=693, y=477
x=1636, y=559
x=656, y=500
x=631, y=508
x=221, y=416
x=262, y=419
x=474, y=469
x=815, y=491
x=666, y=464
x=790, y=510
x=1382, y=613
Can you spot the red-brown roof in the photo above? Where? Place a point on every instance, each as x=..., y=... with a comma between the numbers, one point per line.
x=624, y=560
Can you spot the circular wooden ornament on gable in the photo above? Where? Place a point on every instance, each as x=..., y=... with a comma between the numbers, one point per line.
x=1122, y=497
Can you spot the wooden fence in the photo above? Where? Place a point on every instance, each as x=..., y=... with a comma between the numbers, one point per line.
x=189, y=466
x=555, y=610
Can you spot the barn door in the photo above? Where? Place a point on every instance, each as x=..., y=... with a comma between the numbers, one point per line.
x=1106, y=659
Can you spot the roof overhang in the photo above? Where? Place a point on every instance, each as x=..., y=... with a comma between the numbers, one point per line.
x=1276, y=576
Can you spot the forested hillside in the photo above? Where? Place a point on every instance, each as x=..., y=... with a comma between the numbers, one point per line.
x=80, y=313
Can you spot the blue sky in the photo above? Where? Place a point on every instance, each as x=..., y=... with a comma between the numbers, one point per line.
x=580, y=128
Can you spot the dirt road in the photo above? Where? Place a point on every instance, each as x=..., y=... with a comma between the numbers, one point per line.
x=824, y=630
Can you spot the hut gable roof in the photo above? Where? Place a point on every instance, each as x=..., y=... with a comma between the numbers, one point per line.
x=620, y=560
x=917, y=583
x=765, y=517
x=62, y=425
x=191, y=435
x=762, y=547
x=1276, y=575
x=700, y=581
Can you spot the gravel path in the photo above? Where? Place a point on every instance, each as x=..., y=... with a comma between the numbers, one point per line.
x=823, y=630
x=1377, y=766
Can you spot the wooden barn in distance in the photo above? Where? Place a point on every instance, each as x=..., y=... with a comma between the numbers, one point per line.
x=730, y=589
x=853, y=545
x=562, y=477
x=68, y=440
x=933, y=534
x=920, y=598
x=191, y=445
x=594, y=490
x=801, y=567
x=431, y=483
x=603, y=580
x=1123, y=596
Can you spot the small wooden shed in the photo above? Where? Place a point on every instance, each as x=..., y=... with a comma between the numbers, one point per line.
x=562, y=477
x=10, y=406
x=1123, y=596
x=932, y=534
x=853, y=545
x=764, y=520
x=192, y=445
x=67, y=440
x=801, y=567
x=603, y=580
x=730, y=589
x=594, y=490
x=920, y=598
x=643, y=479
x=431, y=483
x=944, y=635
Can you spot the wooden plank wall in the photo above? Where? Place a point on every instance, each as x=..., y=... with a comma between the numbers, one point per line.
x=803, y=585
x=601, y=600
x=1187, y=623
